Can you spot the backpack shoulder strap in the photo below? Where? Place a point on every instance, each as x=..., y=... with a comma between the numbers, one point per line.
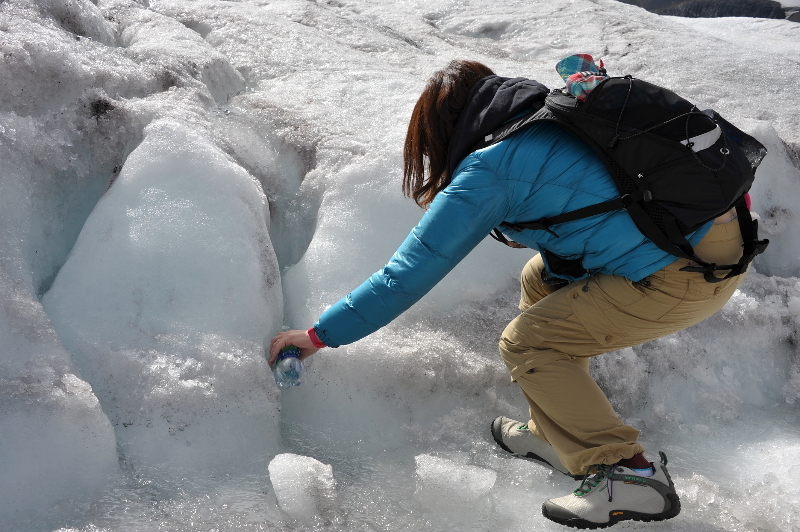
x=514, y=125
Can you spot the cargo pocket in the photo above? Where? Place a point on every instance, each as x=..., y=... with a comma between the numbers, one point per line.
x=546, y=356
x=594, y=318
x=700, y=289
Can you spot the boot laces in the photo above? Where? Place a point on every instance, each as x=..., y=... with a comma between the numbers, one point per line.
x=590, y=482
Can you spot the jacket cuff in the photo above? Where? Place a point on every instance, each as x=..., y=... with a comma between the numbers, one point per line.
x=322, y=337
x=312, y=333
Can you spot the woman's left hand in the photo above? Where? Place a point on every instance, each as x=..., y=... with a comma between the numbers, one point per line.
x=296, y=338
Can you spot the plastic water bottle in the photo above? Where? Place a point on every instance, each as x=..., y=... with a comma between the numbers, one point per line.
x=287, y=368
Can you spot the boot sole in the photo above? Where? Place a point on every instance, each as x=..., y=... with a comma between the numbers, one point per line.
x=530, y=456
x=616, y=516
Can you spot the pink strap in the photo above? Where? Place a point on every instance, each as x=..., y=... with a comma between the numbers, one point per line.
x=315, y=339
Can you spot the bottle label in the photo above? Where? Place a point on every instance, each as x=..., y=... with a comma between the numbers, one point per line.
x=287, y=368
x=289, y=351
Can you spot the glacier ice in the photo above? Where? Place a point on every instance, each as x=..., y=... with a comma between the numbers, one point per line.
x=304, y=486
x=180, y=180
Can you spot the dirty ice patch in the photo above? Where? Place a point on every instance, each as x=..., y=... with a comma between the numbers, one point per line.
x=165, y=302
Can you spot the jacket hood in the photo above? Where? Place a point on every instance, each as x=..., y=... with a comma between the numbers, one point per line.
x=491, y=102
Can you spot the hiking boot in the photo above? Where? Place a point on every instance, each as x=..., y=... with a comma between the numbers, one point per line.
x=615, y=493
x=515, y=438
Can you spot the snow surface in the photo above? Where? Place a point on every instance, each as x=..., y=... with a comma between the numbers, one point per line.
x=179, y=180
x=442, y=482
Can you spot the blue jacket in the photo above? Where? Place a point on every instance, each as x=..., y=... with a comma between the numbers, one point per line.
x=539, y=172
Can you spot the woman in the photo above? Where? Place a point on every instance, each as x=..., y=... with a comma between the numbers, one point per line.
x=632, y=291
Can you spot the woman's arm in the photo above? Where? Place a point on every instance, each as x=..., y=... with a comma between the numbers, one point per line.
x=458, y=219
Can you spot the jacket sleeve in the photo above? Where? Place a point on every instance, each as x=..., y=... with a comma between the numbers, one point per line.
x=458, y=219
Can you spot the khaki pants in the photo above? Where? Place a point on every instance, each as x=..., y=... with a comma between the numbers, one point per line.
x=548, y=346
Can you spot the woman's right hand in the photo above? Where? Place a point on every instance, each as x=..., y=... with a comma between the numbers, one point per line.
x=296, y=338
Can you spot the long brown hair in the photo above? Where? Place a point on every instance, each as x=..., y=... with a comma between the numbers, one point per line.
x=431, y=127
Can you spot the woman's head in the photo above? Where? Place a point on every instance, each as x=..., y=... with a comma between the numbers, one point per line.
x=431, y=127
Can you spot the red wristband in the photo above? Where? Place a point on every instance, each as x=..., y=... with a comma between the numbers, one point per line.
x=315, y=339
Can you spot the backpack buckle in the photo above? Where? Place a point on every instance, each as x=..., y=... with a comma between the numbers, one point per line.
x=636, y=197
x=627, y=200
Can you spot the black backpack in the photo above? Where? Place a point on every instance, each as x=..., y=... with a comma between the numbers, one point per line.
x=675, y=167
